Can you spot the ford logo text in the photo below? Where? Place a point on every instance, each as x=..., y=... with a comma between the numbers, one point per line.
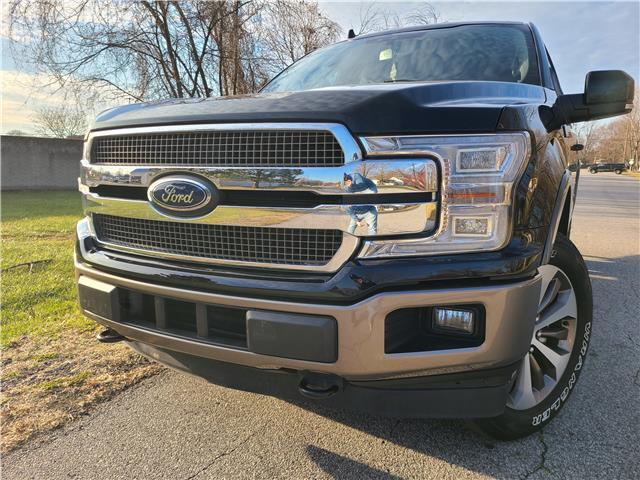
x=183, y=195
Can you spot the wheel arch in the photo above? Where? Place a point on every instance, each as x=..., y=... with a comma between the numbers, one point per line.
x=561, y=216
x=564, y=226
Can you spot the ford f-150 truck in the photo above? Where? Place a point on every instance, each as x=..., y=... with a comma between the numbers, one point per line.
x=383, y=228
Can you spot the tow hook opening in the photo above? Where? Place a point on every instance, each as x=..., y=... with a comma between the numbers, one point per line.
x=109, y=336
x=318, y=386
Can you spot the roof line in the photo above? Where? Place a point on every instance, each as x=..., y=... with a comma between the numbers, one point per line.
x=434, y=26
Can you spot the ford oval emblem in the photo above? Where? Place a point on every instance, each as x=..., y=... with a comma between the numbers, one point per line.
x=183, y=195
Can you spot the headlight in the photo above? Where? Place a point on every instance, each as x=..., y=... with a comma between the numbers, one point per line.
x=478, y=177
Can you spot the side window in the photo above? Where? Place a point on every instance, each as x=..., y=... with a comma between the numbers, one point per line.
x=554, y=75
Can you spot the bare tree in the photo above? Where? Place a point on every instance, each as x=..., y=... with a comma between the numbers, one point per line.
x=425, y=14
x=138, y=50
x=631, y=128
x=300, y=29
x=586, y=134
x=61, y=122
x=374, y=18
x=615, y=140
x=368, y=19
x=154, y=49
x=238, y=67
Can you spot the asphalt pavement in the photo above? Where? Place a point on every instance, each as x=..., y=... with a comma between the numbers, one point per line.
x=175, y=426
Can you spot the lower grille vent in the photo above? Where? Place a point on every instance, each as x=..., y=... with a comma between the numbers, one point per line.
x=220, y=324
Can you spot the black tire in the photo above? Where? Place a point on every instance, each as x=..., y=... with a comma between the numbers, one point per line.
x=618, y=172
x=513, y=424
x=593, y=170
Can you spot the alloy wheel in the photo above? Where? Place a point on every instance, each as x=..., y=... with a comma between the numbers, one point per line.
x=553, y=339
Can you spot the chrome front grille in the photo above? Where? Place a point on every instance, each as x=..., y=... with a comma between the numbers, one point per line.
x=222, y=148
x=284, y=203
x=283, y=246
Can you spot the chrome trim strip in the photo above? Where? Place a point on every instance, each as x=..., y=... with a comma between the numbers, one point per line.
x=390, y=176
x=349, y=244
x=349, y=146
x=392, y=219
x=510, y=309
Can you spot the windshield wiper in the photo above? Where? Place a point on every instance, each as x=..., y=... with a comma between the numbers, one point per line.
x=401, y=80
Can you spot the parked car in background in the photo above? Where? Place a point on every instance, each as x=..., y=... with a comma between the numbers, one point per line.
x=617, y=168
x=385, y=228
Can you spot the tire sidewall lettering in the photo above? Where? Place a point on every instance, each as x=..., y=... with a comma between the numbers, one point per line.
x=555, y=406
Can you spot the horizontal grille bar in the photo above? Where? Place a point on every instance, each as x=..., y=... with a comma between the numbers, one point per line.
x=254, y=148
x=271, y=198
x=285, y=246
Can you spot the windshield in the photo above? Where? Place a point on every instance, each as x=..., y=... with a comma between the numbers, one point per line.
x=503, y=53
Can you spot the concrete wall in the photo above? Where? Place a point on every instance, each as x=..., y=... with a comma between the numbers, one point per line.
x=37, y=163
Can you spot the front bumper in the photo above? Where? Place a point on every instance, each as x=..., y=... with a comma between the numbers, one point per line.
x=510, y=316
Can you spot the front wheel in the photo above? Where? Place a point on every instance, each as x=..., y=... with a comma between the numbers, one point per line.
x=549, y=371
x=593, y=170
x=618, y=172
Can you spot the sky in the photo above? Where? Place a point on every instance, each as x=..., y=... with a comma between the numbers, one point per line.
x=580, y=36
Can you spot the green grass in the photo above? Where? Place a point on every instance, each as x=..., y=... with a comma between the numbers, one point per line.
x=39, y=299
x=63, y=382
x=43, y=357
x=53, y=369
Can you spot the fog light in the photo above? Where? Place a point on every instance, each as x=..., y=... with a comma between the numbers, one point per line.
x=460, y=321
x=472, y=226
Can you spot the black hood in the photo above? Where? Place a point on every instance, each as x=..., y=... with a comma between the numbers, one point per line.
x=400, y=108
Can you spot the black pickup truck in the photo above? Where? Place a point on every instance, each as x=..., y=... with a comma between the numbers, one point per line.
x=384, y=228
x=617, y=168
